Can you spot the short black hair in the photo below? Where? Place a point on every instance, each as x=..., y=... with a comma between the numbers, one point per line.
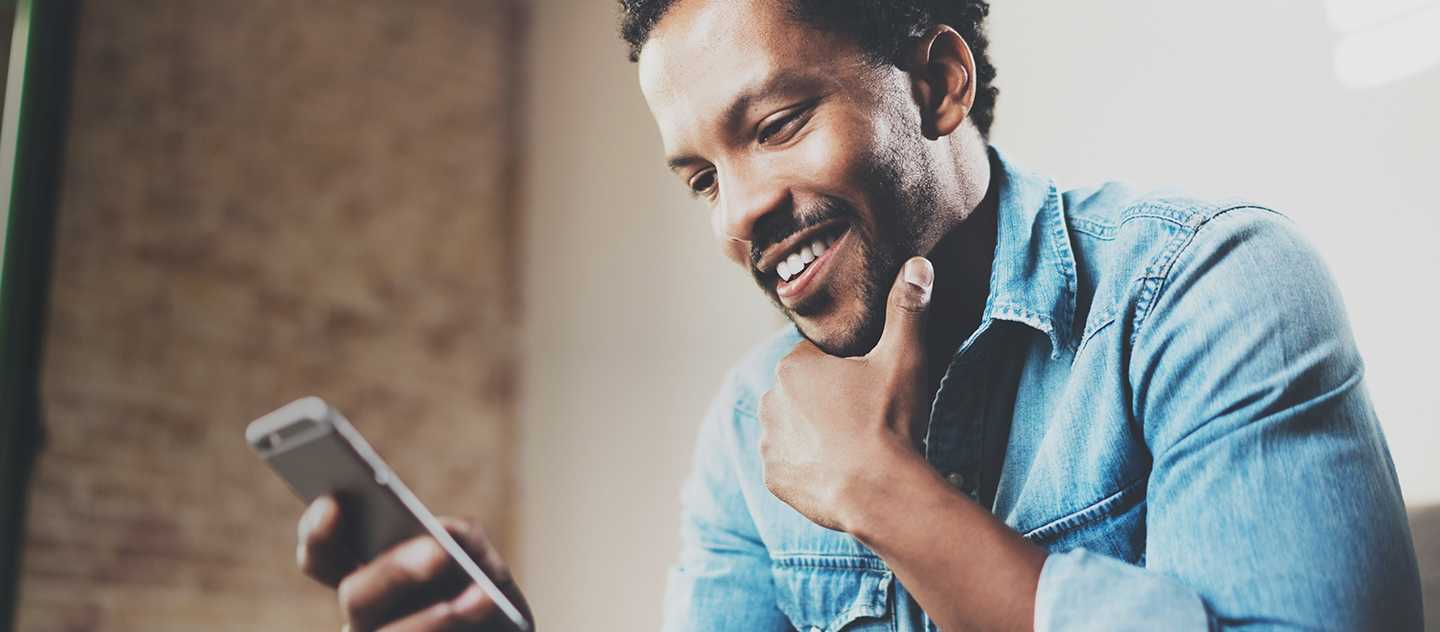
x=882, y=27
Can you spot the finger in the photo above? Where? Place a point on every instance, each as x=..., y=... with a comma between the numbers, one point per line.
x=473, y=539
x=320, y=554
x=477, y=544
x=471, y=610
x=903, y=338
x=386, y=588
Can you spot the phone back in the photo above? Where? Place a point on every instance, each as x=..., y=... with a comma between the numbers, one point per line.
x=317, y=452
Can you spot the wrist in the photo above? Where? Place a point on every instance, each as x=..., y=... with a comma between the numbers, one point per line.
x=885, y=490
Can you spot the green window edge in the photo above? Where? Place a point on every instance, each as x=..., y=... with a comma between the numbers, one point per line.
x=32, y=127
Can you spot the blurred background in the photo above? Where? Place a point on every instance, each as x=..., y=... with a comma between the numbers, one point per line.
x=451, y=219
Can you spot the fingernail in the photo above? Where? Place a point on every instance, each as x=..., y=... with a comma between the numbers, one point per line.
x=919, y=272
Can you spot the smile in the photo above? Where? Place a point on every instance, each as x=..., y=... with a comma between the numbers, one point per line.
x=799, y=271
x=793, y=265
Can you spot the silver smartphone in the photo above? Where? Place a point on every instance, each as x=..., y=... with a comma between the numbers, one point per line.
x=311, y=445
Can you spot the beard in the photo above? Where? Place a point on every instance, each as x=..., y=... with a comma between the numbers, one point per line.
x=882, y=245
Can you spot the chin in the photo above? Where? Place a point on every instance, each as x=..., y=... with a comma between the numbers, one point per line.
x=838, y=333
x=846, y=317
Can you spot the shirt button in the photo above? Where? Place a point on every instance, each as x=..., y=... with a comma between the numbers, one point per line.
x=957, y=479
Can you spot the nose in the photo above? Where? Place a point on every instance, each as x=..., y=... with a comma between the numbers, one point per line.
x=746, y=196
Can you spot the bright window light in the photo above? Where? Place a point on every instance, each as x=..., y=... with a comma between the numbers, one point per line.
x=1384, y=41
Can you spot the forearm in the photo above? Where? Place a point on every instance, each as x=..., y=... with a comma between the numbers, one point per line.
x=967, y=569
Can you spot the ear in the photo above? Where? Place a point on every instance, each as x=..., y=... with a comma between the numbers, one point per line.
x=942, y=75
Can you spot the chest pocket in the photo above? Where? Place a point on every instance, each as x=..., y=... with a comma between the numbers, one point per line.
x=1114, y=526
x=828, y=593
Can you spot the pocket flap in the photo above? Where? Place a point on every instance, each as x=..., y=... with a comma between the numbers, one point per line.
x=828, y=593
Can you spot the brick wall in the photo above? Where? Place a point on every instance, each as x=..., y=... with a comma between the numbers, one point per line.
x=263, y=200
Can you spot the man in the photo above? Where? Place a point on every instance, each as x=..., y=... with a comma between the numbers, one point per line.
x=1001, y=406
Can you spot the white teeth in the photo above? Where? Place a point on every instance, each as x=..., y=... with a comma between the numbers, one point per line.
x=796, y=265
x=791, y=267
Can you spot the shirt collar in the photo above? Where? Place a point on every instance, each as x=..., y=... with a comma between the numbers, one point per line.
x=1032, y=280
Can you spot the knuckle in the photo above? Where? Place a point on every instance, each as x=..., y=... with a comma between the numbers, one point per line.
x=473, y=606
x=480, y=617
x=772, y=486
x=432, y=559
x=447, y=618
x=910, y=302
x=914, y=309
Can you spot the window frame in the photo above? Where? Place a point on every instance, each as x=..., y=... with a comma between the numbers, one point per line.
x=32, y=138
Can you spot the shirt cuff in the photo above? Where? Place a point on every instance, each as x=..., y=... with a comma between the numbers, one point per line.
x=1080, y=590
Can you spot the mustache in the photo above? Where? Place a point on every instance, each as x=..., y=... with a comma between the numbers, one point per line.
x=777, y=227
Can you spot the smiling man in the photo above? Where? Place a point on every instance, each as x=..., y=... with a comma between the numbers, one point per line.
x=1000, y=405
x=1081, y=409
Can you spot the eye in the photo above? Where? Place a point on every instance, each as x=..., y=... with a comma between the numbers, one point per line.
x=782, y=128
x=703, y=183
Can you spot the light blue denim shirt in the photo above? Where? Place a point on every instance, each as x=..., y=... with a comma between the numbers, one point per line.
x=1163, y=392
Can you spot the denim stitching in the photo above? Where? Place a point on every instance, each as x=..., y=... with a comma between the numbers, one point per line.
x=1101, y=509
x=842, y=561
x=1093, y=228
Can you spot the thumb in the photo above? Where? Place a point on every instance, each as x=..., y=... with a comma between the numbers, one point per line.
x=903, y=338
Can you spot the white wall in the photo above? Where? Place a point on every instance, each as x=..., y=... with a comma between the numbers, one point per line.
x=632, y=316
x=1242, y=97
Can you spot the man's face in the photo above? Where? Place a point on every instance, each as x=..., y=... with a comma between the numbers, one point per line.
x=811, y=159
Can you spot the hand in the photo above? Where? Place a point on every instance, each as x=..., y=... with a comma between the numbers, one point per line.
x=413, y=587
x=831, y=426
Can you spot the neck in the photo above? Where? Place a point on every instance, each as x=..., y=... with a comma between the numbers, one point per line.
x=963, y=259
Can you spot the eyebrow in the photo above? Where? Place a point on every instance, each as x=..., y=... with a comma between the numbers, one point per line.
x=680, y=162
x=783, y=81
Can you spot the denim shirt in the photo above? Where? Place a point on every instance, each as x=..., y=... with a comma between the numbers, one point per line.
x=1163, y=392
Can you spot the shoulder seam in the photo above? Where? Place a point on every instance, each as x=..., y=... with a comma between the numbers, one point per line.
x=1155, y=275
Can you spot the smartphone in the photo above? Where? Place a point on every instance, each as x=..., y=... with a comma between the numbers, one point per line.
x=311, y=445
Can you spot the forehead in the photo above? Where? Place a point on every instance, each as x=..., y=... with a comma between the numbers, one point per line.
x=704, y=54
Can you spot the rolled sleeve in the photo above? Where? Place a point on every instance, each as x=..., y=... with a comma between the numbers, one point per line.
x=1081, y=591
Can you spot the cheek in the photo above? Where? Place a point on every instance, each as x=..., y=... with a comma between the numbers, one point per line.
x=830, y=161
x=842, y=160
